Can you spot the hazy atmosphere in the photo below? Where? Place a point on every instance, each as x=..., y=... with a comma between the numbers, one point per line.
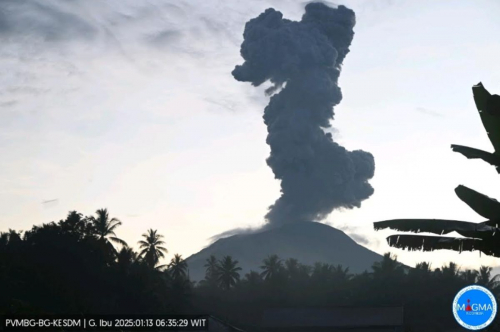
x=132, y=106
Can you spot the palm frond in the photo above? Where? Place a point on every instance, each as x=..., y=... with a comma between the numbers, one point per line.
x=438, y=226
x=119, y=241
x=112, y=228
x=143, y=244
x=483, y=205
x=163, y=249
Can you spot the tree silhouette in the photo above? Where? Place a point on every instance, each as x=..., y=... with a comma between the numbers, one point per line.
x=59, y=268
x=178, y=267
x=272, y=267
x=388, y=266
x=152, y=249
x=253, y=278
x=485, y=279
x=469, y=276
x=228, y=272
x=104, y=228
x=292, y=267
x=125, y=258
x=450, y=271
x=211, y=269
x=341, y=274
x=10, y=238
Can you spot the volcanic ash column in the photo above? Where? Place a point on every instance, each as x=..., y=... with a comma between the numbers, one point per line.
x=303, y=60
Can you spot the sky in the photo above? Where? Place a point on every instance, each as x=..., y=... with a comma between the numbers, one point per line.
x=131, y=105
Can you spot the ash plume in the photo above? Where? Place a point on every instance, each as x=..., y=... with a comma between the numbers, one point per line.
x=303, y=60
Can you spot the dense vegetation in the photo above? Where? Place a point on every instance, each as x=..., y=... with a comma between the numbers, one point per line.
x=79, y=265
x=72, y=267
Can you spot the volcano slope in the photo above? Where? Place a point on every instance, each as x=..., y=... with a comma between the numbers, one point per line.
x=309, y=242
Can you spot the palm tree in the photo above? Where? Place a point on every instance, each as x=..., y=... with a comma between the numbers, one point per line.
x=341, y=274
x=469, y=276
x=271, y=267
x=292, y=267
x=211, y=266
x=104, y=228
x=178, y=267
x=151, y=248
x=484, y=278
x=322, y=272
x=388, y=266
x=425, y=267
x=228, y=272
x=450, y=271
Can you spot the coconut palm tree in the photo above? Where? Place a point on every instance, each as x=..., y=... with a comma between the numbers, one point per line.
x=292, y=267
x=449, y=272
x=178, y=267
x=211, y=266
x=228, y=272
x=272, y=266
x=340, y=273
x=152, y=249
x=469, y=276
x=425, y=267
x=484, y=278
x=322, y=272
x=388, y=266
x=104, y=228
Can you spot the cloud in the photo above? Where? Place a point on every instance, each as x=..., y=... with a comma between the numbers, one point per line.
x=235, y=231
x=428, y=112
x=45, y=19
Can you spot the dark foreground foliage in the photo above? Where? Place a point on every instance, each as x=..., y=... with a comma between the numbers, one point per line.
x=483, y=236
x=79, y=265
x=72, y=267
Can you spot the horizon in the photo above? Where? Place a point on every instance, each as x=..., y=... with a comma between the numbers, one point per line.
x=132, y=107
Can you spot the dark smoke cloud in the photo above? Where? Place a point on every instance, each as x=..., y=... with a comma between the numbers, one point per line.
x=303, y=60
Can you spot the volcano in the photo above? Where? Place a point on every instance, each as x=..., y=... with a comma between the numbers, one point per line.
x=309, y=242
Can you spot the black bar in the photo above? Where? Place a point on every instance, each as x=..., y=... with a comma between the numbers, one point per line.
x=104, y=322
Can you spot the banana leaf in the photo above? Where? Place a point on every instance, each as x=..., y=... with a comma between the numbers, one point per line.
x=440, y=226
x=483, y=205
x=493, y=105
x=491, y=122
x=431, y=243
x=472, y=153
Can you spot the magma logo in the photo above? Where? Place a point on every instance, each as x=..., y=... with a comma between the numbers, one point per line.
x=474, y=307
